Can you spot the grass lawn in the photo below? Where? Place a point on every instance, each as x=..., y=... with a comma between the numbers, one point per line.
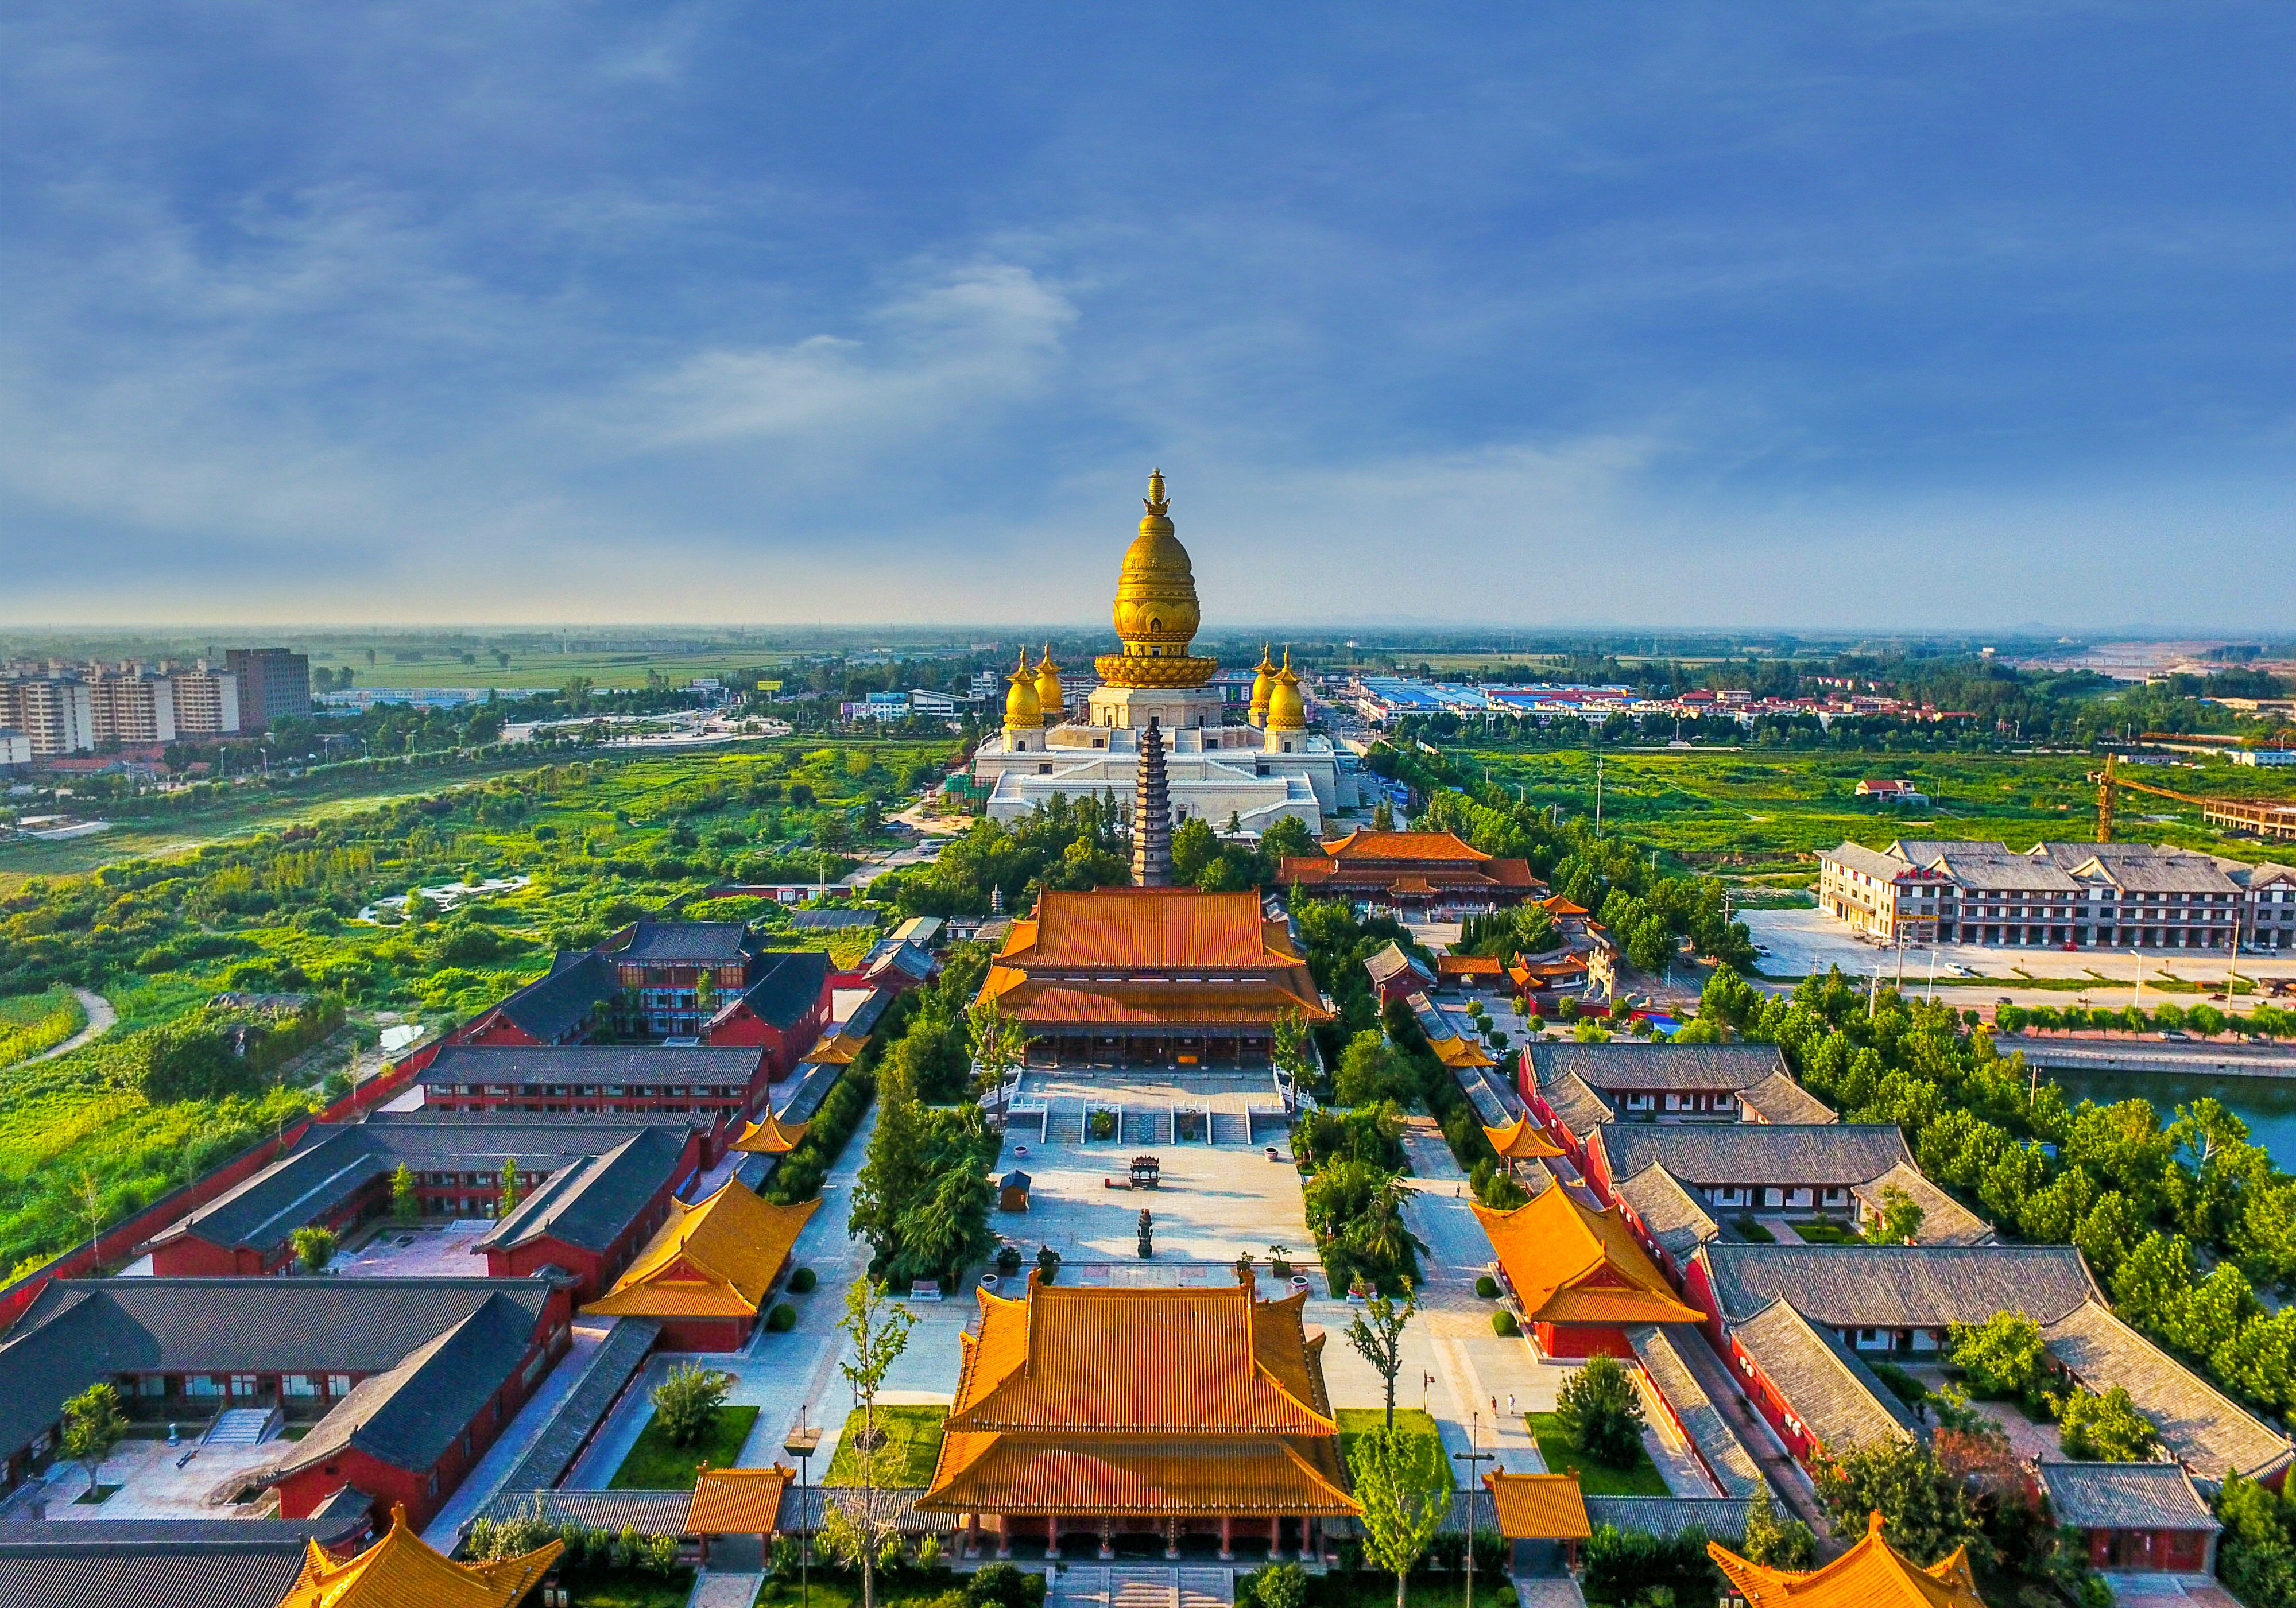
x=911, y=1447
x=655, y=1464
x=1595, y=1479
x=1355, y=1421
x=1827, y=1231
x=95, y=1495
x=628, y=1588
x=1371, y=1589
x=838, y=1588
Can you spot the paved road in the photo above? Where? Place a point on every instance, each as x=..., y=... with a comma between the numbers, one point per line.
x=101, y=1020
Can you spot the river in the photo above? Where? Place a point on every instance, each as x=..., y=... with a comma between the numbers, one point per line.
x=2266, y=1104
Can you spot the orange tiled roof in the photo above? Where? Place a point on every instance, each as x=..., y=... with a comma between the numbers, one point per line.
x=714, y=1258
x=1457, y=1052
x=1150, y=927
x=1402, y=846
x=1521, y=1140
x=403, y=1570
x=737, y=1501
x=1559, y=905
x=1469, y=965
x=1872, y=1574
x=1411, y=885
x=1568, y=1265
x=770, y=1138
x=1539, y=1507
x=1039, y=1005
x=1023, y=1474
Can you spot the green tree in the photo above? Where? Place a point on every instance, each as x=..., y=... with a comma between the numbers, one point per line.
x=1600, y=1410
x=1370, y=1070
x=1382, y=816
x=1377, y=1335
x=1899, y=1221
x=1775, y=1542
x=687, y=1400
x=1195, y=846
x=877, y=1328
x=999, y=1045
x=1291, y=1048
x=509, y=1198
x=406, y=1204
x=314, y=1247
x=93, y=1425
x=1403, y=1482
x=1926, y=1510
x=2002, y=1357
x=2104, y=1429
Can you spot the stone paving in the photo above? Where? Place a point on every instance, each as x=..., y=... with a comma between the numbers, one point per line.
x=433, y=1251
x=153, y=1487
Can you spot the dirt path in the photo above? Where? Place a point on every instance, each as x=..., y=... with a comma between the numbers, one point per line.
x=101, y=1020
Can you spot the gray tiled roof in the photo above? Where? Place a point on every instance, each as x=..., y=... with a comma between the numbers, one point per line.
x=2206, y=1431
x=681, y=943
x=1718, y=1446
x=28, y=1536
x=551, y=1007
x=1778, y=1098
x=584, y=1407
x=1722, y=1518
x=335, y=1162
x=1618, y=1065
x=649, y=1512
x=647, y=1064
x=1675, y=1217
x=792, y=985
x=1899, y=1287
x=1945, y=1221
x=158, y=1576
x=1873, y=862
x=589, y=1202
x=1824, y=1385
x=831, y=921
x=410, y=1414
x=1575, y=1105
x=1385, y=965
x=2125, y=1495
x=1703, y=1154
x=82, y=1330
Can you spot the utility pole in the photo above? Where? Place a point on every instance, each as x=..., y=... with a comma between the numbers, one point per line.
x=1472, y=1456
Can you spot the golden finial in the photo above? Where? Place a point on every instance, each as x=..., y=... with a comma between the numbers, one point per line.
x=1157, y=502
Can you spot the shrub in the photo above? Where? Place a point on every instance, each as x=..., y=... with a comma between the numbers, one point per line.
x=802, y=1281
x=1487, y=1287
x=2104, y=1429
x=1008, y=1261
x=688, y=1399
x=1599, y=1410
x=1280, y=1586
x=1504, y=1322
x=1002, y=1585
x=781, y=1320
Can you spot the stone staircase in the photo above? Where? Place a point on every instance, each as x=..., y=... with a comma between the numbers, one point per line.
x=1141, y=1586
x=242, y=1426
x=1231, y=1128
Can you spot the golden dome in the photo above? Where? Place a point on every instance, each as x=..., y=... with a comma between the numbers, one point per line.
x=1287, y=711
x=1050, y=699
x=1022, y=711
x=1263, y=686
x=1156, y=613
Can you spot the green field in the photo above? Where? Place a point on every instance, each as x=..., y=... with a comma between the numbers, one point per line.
x=1753, y=813
x=599, y=843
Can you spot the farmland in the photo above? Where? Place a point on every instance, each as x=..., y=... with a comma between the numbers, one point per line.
x=576, y=850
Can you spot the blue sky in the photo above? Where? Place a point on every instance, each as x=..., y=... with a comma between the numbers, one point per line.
x=1908, y=314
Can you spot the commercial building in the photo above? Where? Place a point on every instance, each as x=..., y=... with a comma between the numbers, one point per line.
x=273, y=682
x=2057, y=895
x=1133, y=977
x=1257, y=771
x=1159, y=1412
x=15, y=748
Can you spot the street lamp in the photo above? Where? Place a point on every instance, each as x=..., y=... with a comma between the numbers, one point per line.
x=803, y=1441
x=1472, y=1456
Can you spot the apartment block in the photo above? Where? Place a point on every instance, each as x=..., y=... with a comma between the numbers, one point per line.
x=272, y=684
x=207, y=700
x=53, y=711
x=129, y=705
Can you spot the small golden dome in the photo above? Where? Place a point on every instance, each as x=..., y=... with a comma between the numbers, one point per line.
x=1050, y=699
x=1263, y=686
x=1287, y=709
x=1156, y=610
x=1022, y=710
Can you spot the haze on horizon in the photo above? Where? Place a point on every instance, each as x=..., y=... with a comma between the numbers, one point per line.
x=1922, y=315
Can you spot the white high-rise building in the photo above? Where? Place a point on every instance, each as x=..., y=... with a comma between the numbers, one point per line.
x=53, y=711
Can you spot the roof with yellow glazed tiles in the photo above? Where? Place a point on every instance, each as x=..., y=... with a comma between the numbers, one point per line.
x=1402, y=846
x=1570, y=1265
x=1539, y=1507
x=770, y=1138
x=403, y=1570
x=714, y=1258
x=737, y=1501
x=1872, y=1574
x=1523, y=1140
x=1150, y=927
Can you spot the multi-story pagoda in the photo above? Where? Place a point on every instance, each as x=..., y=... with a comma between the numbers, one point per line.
x=1171, y=1413
x=1257, y=765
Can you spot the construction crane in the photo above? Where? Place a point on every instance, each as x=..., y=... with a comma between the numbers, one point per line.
x=2262, y=816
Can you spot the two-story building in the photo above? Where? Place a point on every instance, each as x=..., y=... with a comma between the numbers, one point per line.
x=1575, y=1088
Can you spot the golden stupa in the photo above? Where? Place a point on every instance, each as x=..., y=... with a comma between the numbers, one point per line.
x=1287, y=709
x=1263, y=686
x=1023, y=712
x=1156, y=610
x=1050, y=698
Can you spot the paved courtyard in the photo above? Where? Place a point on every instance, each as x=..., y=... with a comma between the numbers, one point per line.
x=1803, y=942
x=426, y=1250
x=153, y=1487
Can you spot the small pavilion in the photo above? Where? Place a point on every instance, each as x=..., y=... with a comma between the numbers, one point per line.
x=771, y=1136
x=1535, y=1508
x=737, y=1502
x=1871, y=1573
x=706, y=1273
x=403, y=1568
x=1580, y=1276
x=1521, y=1140
x=1171, y=1413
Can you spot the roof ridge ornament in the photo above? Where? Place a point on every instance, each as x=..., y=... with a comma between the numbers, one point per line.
x=1156, y=502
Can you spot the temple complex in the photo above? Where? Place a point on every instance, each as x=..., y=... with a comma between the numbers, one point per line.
x=1151, y=977
x=1257, y=769
x=1167, y=1412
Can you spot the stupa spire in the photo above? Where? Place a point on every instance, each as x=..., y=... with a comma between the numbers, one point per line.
x=1151, y=814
